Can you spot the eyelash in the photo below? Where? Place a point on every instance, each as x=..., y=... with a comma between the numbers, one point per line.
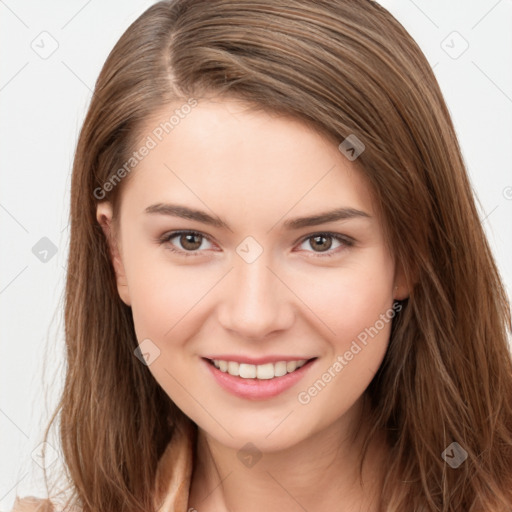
x=343, y=239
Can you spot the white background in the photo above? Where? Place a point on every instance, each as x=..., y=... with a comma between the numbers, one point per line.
x=43, y=103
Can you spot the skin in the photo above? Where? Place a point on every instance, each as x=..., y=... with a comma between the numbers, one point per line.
x=255, y=171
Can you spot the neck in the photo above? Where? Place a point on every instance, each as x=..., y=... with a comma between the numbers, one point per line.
x=319, y=473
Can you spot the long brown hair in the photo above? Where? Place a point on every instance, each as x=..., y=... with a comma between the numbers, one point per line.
x=345, y=67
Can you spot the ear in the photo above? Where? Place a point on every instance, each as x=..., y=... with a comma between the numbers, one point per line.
x=104, y=218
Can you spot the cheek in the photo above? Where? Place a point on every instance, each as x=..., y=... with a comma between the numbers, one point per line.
x=169, y=309
x=356, y=304
x=164, y=296
x=347, y=300
x=341, y=381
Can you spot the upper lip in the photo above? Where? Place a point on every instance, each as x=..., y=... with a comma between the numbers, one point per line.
x=256, y=360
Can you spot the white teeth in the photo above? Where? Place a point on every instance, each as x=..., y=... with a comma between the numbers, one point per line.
x=265, y=371
x=280, y=369
x=247, y=371
x=233, y=368
x=260, y=371
x=291, y=366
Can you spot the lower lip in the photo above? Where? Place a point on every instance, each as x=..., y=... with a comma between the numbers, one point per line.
x=257, y=389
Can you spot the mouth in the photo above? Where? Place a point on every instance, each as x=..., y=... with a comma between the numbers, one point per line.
x=265, y=371
x=257, y=381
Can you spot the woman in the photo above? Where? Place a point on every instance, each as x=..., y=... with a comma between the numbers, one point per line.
x=279, y=291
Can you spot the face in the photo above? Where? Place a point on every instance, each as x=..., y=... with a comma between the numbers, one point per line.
x=255, y=264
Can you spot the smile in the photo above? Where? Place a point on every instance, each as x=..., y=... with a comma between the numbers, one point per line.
x=257, y=381
x=258, y=371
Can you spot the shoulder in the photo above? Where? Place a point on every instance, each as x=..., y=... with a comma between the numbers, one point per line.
x=31, y=504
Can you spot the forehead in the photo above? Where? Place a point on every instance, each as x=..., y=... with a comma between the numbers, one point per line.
x=226, y=149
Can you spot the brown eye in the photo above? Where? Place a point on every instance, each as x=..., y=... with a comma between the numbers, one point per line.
x=190, y=241
x=320, y=243
x=325, y=244
x=186, y=243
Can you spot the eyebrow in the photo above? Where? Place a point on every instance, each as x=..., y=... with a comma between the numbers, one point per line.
x=184, y=212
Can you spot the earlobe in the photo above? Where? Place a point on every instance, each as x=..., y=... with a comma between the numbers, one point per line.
x=104, y=218
x=401, y=288
x=399, y=293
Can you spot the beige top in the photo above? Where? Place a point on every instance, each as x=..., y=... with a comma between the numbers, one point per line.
x=173, y=477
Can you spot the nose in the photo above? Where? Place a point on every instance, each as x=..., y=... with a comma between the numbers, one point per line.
x=256, y=302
